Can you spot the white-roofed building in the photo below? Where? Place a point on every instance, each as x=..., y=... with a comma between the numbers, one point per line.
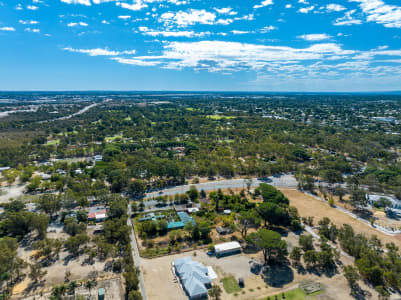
x=227, y=249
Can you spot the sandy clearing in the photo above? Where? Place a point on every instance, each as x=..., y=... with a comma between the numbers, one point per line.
x=13, y=191
x=309, y=206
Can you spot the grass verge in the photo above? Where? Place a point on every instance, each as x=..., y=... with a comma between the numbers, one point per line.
x=230, y=284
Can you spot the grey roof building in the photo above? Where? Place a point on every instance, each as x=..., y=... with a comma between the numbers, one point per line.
x=193, y=277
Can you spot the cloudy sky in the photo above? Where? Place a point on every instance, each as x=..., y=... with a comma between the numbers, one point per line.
x=245, y=45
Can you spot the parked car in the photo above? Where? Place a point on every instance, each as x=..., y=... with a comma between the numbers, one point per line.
x=241, y=282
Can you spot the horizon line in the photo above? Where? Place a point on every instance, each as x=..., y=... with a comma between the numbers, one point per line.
x=201, y=91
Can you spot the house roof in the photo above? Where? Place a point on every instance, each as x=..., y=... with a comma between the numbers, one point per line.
x=179, y=261
x=194, y=287
x=97, y=214
x=185, y=218
x=100, y=216
x=221, y=229
x=190, y=267
x=193, y=275
x=172, y=225
x=227, y=247
x=202, y=277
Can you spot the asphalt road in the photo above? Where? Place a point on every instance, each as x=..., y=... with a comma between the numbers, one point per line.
x=135, y=254
x=286, y=180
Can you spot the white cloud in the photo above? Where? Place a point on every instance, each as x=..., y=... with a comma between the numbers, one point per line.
x=124, y=17
x=288, y=6
x=83, y=2
x=348, y=19
x=381, y=13
x=146, y=31
x=28, y=22
x=135, y=62
x=263, y=4
x=102, y=1
x=267, y=29
x=32, y=7
x=76, y=24
x=138, y=5
x=105, y=22
x=228, y=56
x=305, y=10
x=35, y=30
x=193, y=16
x=224, y=21
x=226, y=11
x=240, y=32
x=99, y=51
x=7, y=28
x=334, y=7
x=315, y=37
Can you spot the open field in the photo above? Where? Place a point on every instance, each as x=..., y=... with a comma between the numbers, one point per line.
x=309, y=206
x=217, y=117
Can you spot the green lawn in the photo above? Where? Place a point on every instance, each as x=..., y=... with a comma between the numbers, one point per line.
x=53, y=142
x=128, y=119
x=113, y=138
x=217, y=117
x=230, y=284
x=296, y=294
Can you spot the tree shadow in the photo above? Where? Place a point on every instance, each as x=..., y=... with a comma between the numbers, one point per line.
x=277, y=275
x=300, y=269
x=250, y=250
x=88, y=261
x=34, y=286
x=363, y=213
x=358, y=293
x=68, y=258
x=328, y=271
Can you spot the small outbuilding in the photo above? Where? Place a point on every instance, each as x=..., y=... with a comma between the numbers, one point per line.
x=221, y=230
x=227, y=249
x=101, y=294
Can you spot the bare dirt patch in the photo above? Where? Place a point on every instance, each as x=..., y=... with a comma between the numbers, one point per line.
x=12, y=191
x=309, y=206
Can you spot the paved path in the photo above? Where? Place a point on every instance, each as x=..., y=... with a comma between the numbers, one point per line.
x=135, y=254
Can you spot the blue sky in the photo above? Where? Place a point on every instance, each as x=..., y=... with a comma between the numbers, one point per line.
x=245, y=45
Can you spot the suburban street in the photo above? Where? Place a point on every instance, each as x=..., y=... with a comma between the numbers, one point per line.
x=286, y=180
x=135, y=254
